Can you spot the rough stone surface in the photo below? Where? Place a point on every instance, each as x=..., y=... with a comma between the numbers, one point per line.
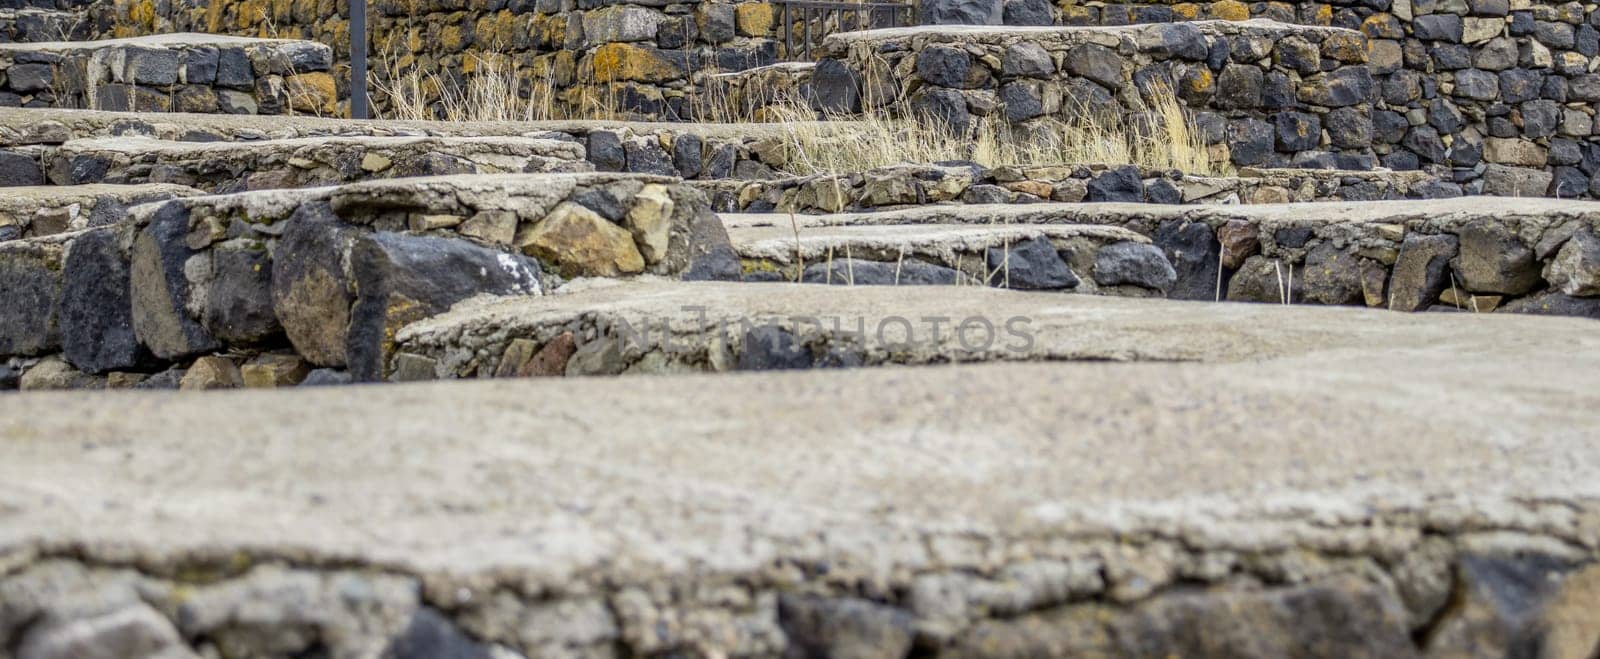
x=1332, y=276
x=1029, y=265
x=1493, y=260
x=853, y=272
x=582, y=243
x=400, y=279
x=1421, y=272
x=1138, y=264
x=311, y=286
x=1193, y=251
x=30, y=283
x=1575, y=270
x=162, y=319
x=97, y=332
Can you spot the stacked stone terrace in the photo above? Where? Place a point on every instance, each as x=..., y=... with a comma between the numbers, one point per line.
x=1312, y=476
x=1494, y=96
x=1263, y=91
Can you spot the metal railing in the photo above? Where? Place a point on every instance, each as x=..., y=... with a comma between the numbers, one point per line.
x=816, y=19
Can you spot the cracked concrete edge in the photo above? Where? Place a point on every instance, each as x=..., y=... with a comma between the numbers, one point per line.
x=704, y=319
x=440, y=194
x=178, y=39
x=1358, y=222
x=941, y=242
x=75, y=124
x=1062, y=35
x=141, y=146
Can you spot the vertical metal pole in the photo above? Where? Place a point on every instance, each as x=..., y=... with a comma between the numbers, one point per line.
x=805, y=16
x=358, y=59
x=788, y=31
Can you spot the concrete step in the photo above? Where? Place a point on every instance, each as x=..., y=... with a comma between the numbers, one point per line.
x=1476, y=254
x=28, y=212
x=916, y=185
x=301, y=162
x=1036, y=257
x=328, y=274
x=1335, y=498
x=607, y=328
x=708, y=150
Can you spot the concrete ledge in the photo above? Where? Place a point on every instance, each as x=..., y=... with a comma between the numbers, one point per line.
x=302, y=162
x=1476, y=254
x=601, y=328
x=1035, y=257
x=1137, y=498
x=27, y=212
x=915, y=185
x=707, y=151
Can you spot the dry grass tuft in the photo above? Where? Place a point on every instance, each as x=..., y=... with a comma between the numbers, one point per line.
x=1167, y=138
x=494, y=91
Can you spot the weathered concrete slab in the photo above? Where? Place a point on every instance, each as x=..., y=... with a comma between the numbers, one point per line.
x=302, y=162
x=90, y=123
x=1479, y=253
x=999, y=510
x=30, y=211
x=690, y=150
x=1036, y=256
x=643, y=326
x=903, y=186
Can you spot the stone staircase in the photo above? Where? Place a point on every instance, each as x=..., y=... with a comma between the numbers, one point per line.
x=1034, y=414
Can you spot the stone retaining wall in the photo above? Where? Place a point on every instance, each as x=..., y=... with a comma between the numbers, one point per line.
x=40, y=25
x=636, y=55
x=171, y=73
x=1499, y=95
x=1263, y=93
x=326, y=276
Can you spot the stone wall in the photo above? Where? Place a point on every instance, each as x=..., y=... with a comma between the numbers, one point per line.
x=39, y=25
x=177, y=73
x=1263, y=93
x=636, y=55
x=1498, y=95
x=326, y=276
